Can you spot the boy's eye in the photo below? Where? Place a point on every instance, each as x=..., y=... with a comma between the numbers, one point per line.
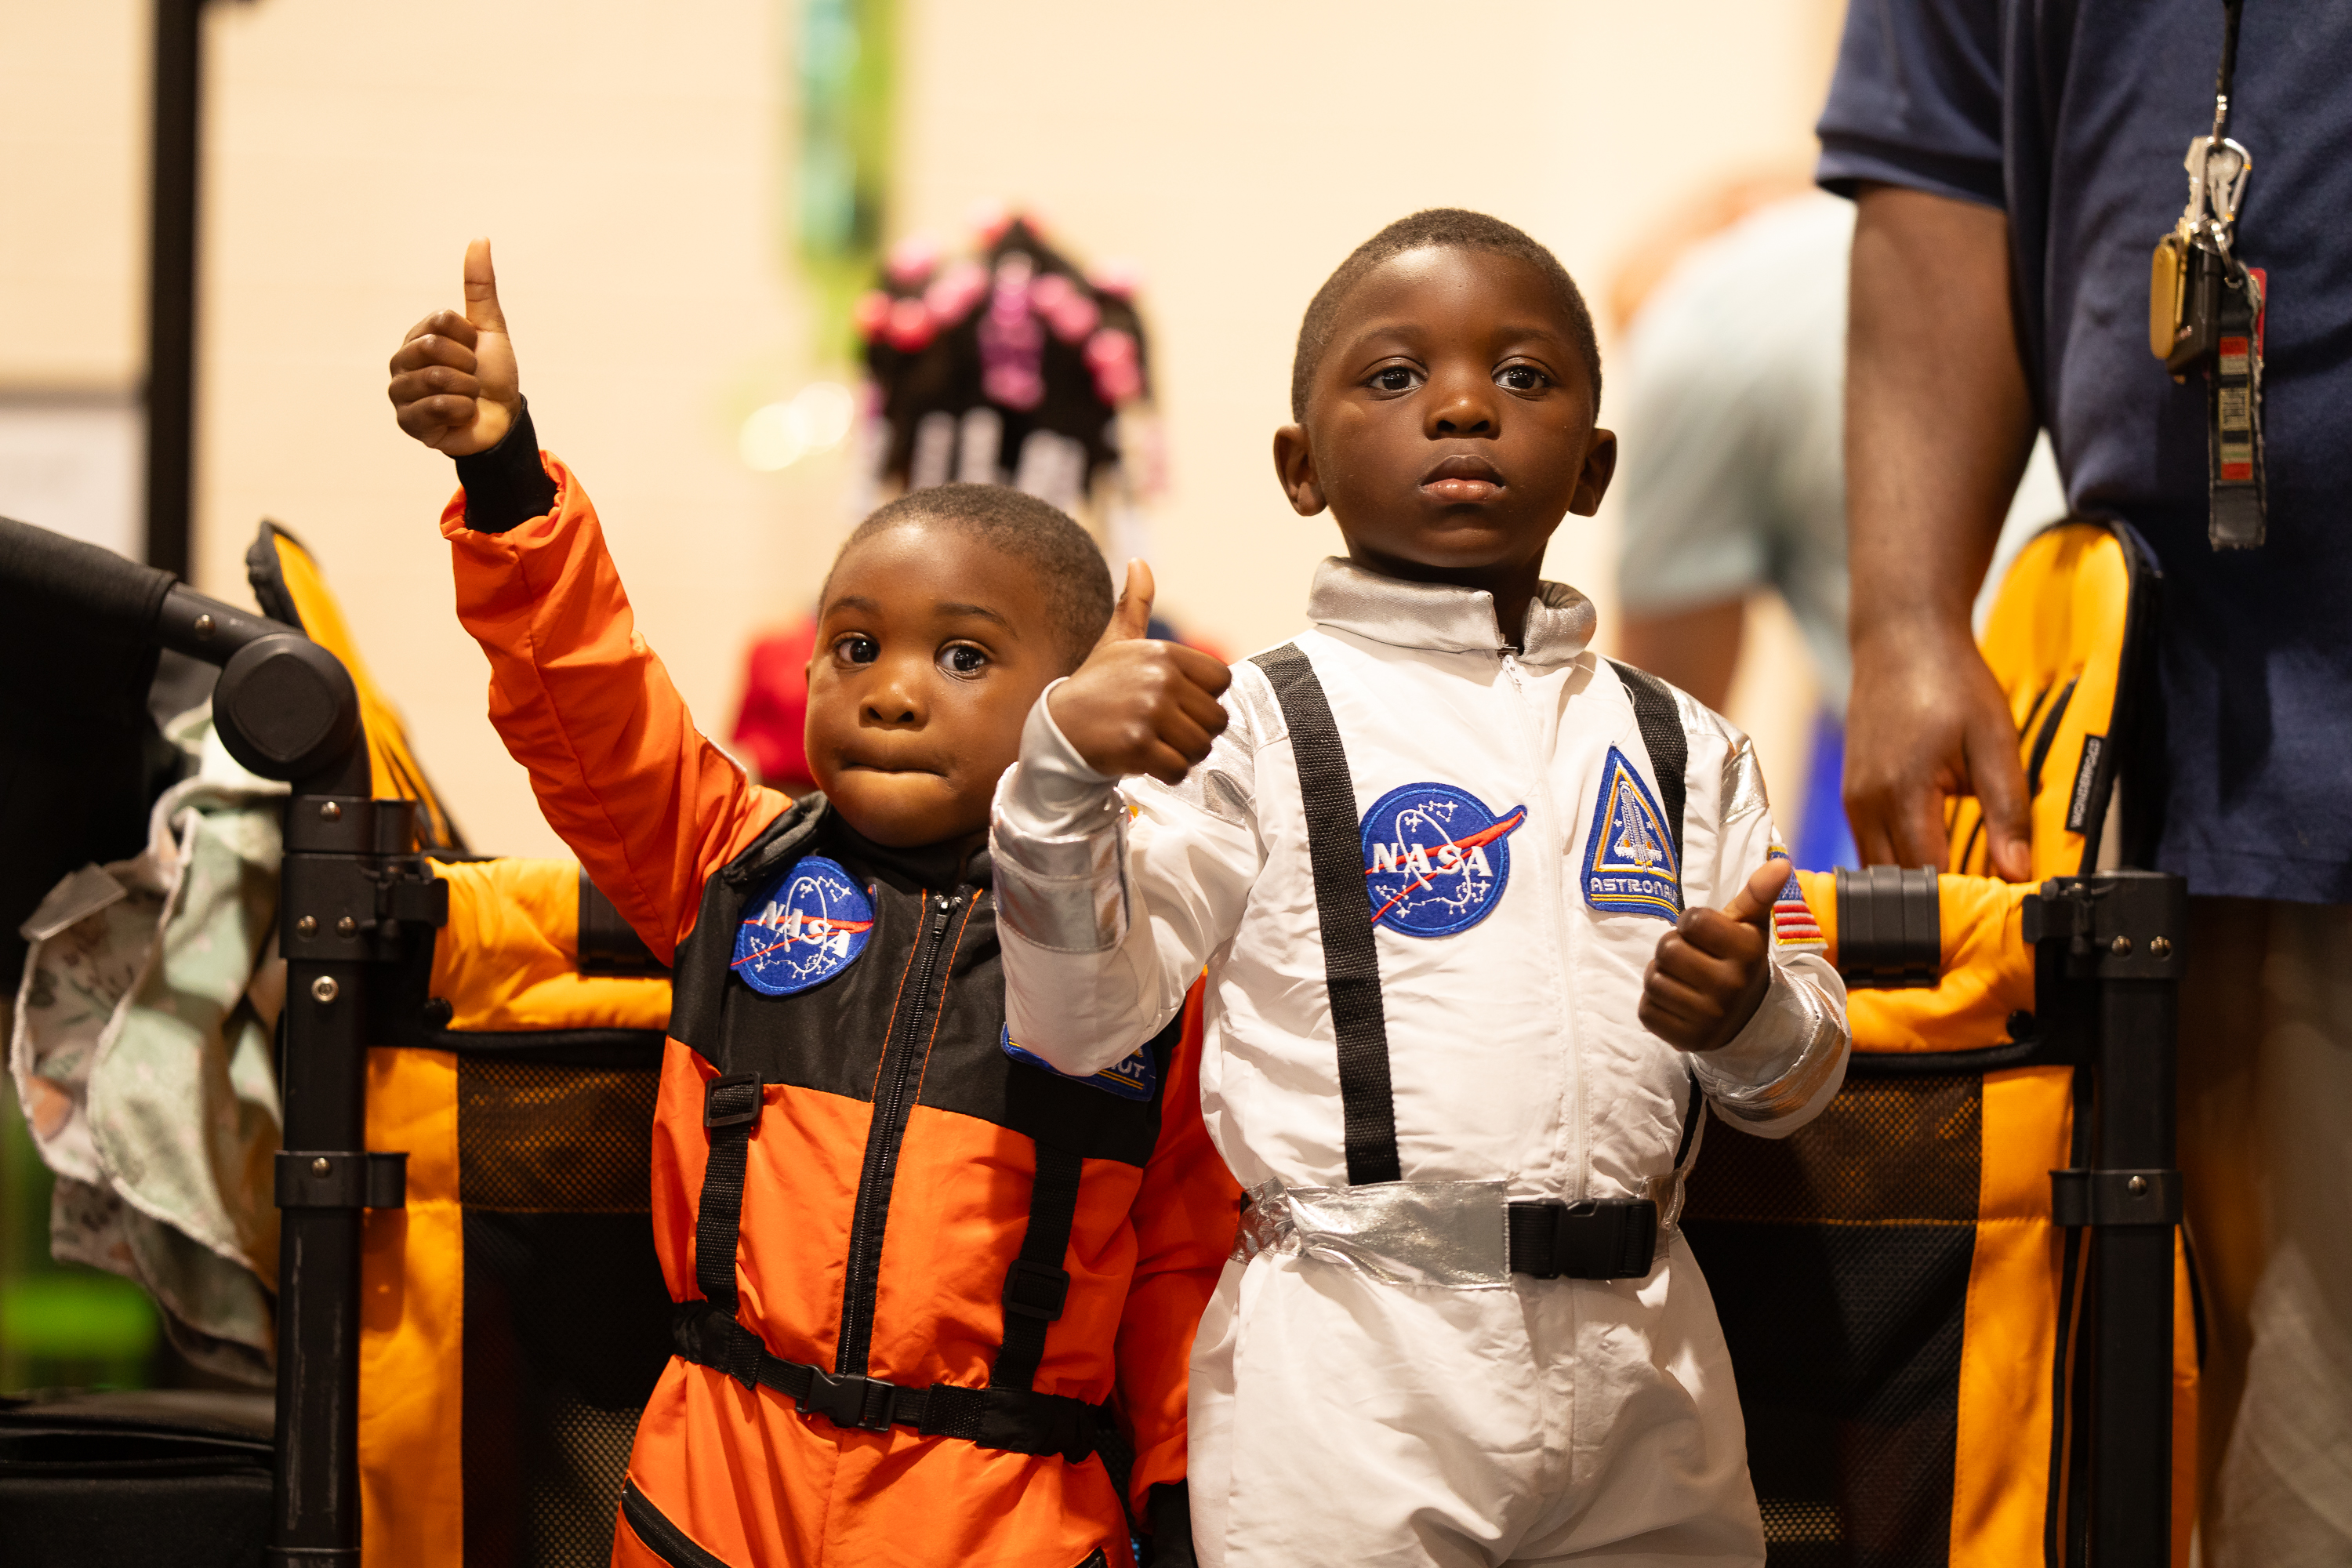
x=1394, y=378
x=855, y=649
x=962, y=659
x=1521, y=378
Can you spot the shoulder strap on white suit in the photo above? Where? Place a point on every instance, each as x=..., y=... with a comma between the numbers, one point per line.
x=1351, y=964
x=1661, y=719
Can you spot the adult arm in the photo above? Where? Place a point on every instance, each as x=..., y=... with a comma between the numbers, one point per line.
x=1938, y=428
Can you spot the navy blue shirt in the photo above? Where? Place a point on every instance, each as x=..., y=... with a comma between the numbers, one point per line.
x=2074, y=117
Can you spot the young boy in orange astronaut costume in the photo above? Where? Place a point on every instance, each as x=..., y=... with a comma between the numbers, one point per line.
x=924, y=1283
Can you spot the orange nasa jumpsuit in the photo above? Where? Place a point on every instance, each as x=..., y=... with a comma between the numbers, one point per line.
x=956, y=1277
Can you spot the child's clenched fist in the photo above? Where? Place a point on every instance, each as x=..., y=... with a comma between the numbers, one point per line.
x=1137, y=706
x=1711, y=970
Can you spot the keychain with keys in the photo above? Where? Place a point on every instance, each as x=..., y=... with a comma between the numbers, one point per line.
x=2191, y=263
x=2205, y=313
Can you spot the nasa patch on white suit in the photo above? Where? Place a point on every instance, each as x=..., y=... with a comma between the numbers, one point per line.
x=1437, y=859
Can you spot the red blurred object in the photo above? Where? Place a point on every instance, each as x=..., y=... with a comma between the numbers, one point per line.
x=771, y=727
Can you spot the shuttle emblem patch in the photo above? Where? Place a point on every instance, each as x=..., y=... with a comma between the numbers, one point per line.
x=1630, y=867
x=1135, y=1077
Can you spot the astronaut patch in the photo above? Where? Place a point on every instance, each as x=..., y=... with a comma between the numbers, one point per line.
x=809, y=925
x=1133, y=1078
x=1435, y=859
x=1630, y=867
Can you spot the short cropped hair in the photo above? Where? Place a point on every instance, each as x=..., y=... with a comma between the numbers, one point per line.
x=1451, y=228
x=1070, y=569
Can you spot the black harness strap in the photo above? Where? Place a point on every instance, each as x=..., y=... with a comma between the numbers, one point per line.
x=1661, y=733
x=1351, y=964
x=730, y=1108
x=1037, y=1285
x=1691, y=1111
x=1014, y=1419
x=1661, y=722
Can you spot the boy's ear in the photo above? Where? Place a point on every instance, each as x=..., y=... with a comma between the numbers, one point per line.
x=1294, y=466
x=1593, y=480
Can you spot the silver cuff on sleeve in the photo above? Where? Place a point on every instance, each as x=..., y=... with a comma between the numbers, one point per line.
x=1082, y=914
x=1790, y=1008
x=1058, y=841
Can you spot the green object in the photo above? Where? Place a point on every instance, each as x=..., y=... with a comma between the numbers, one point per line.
x=61, y=1325
x=79, y=1316
x=847, y=60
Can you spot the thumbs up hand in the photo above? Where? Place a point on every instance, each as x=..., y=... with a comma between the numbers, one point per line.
x=453, y=382
x=1137, y=706
x=1711, y=970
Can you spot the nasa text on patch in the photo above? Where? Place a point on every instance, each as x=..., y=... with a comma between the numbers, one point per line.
x=810, y=924
x=1435, y=859
x=1134, y=1077
x=1629, y=865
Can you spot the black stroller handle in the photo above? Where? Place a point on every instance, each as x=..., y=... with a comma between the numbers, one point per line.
x=96, y=585
x=284, y=707
x=121, y=598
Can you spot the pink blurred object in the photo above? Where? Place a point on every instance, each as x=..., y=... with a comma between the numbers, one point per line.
x=955, y=291
x=772, y=728
x=870, y=315
x=1111, y=355
x=911, y=260
x=1065, y=306
x=911, y=326
x=1012, y=340
x=989, y=219
x=1118, y=279
x=1110, y=346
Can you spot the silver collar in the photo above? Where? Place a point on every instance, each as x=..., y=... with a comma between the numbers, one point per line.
x=1444, y=619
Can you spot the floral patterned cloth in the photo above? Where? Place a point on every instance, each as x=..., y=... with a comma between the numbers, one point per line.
x=142, y=1055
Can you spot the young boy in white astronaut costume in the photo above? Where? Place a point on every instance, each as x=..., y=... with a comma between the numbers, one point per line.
x=1451, y=876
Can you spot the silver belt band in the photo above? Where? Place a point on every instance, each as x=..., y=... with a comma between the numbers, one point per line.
x=1453, y=1236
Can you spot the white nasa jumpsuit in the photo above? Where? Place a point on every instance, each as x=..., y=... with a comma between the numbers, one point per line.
x=1373, y=1384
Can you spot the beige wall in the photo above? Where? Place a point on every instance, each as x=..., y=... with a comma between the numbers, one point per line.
x=1242, y=150
x=631, y=163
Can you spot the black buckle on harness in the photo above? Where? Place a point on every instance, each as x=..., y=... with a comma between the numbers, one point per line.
x=1036, y=1290
x=859, y=1402
x=732, y=1101
x=1612, y=1238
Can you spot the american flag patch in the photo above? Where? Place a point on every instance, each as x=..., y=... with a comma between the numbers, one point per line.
x=1793, y=925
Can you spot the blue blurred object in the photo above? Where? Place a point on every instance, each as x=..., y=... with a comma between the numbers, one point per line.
x=1825, y=841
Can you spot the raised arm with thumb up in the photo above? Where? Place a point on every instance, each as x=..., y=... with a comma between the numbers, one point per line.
x=453, y=382
x=1137, y=706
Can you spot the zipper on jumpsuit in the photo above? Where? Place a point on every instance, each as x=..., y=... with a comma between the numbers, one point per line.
x=892, y=1102
x=1555, y=902
x=1555, y=848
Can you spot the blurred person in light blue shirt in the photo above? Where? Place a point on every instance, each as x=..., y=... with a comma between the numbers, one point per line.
x=1733, y=475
